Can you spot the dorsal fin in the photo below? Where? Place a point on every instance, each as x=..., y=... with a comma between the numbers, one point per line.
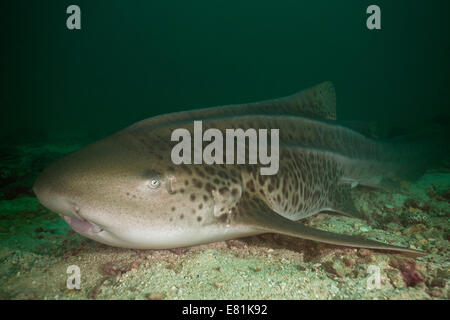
x=318, y=102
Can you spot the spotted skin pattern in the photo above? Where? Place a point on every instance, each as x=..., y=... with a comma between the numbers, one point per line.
x=307, y=181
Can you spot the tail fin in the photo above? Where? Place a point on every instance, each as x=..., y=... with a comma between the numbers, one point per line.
x=404, y=158
x=417, y=152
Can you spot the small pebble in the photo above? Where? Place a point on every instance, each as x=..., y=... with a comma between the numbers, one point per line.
x=154, y=296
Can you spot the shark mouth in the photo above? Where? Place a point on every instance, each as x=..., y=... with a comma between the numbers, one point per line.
x=81, y=225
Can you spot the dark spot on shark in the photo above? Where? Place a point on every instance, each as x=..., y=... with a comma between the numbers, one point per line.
x=209, y=187
x=315, y=196
x=251, y=186
x=284, y=190
x=223, y=218
x=192, y=197
x=295, y=199
x=295, y=184
x=222, y=174
x=261, y=180
x=199, y=172
x=187, y=169
x=197, y=184
x=199, y=218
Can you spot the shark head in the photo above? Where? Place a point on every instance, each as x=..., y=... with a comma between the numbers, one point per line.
x=115, y=192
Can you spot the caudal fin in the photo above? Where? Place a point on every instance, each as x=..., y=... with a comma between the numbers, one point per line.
x=404, y=158
x=414, y=154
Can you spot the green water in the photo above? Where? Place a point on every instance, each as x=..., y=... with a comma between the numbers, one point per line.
x=136, y=59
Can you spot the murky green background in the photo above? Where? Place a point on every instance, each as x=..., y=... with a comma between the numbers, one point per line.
x=135, y=59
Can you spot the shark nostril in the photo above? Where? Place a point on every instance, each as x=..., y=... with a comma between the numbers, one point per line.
x=79, y=222
x=76, y=210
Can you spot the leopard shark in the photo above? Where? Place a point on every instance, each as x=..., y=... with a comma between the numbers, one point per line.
x=125, y=191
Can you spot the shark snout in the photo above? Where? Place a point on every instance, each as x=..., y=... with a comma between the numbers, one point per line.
x=52, y=198
x=49, y=189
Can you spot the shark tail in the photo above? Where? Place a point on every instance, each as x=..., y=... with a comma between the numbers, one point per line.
x=400, y=159
x=418, y=152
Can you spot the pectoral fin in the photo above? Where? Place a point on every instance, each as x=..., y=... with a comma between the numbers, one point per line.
x=261, y=217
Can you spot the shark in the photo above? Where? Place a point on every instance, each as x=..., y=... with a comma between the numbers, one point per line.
x=125, y=191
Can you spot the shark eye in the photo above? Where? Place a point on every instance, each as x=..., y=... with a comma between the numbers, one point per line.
x=154, y=183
